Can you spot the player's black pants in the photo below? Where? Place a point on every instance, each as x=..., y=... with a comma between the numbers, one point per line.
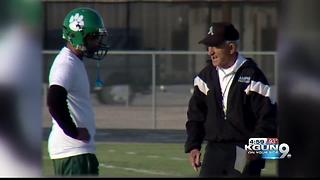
x=220, y=158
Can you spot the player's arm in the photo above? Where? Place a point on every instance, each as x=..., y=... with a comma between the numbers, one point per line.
x=58, y=108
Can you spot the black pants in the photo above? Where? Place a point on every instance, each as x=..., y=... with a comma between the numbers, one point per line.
x=219, y=161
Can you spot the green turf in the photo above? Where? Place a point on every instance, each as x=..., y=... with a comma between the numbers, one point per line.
x=143, y=160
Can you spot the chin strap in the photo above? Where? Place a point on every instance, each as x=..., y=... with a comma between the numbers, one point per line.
x=99, y=82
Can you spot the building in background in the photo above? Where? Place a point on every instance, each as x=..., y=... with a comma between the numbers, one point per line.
x=168, y=25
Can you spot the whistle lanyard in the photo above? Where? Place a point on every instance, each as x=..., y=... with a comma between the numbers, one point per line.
x=225, y=95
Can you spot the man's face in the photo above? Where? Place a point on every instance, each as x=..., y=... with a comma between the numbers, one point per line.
x=220, y=55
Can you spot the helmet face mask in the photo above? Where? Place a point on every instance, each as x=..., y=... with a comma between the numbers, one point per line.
x=84, y=29
x=96, y=46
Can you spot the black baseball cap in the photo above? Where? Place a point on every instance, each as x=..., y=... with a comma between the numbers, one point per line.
x=220, y=32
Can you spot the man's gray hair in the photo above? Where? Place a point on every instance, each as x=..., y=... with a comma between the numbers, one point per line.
x=235, y=42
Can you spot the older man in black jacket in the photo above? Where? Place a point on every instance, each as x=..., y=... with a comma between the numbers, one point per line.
x=231, y=103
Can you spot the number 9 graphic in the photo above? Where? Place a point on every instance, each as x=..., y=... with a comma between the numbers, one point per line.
x=284, y=150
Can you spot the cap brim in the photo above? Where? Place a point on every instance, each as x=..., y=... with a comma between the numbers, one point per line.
x=211, y=41
x=203, y=41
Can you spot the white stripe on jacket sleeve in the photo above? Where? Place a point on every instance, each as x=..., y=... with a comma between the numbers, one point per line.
x=201, y=85
x=260, y=88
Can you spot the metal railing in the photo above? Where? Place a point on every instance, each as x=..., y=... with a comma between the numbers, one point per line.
x=153, y=56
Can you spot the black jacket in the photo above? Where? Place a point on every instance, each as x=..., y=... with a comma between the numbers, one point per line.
x=250, y=112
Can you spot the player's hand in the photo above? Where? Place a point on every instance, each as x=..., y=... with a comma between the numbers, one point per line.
x=194, y=158
x=83, y=134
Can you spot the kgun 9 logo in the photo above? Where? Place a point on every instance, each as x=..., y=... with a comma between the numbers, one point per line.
x=269, y=148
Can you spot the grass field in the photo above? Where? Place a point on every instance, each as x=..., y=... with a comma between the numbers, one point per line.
x=143, y=160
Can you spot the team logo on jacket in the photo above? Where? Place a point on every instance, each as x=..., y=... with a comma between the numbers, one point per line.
x=244, y=79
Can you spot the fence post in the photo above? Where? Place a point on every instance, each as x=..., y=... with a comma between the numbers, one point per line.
x=154, y=91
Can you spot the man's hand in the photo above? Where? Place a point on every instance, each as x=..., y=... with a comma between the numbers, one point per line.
x=83, y=134
x=194, y=158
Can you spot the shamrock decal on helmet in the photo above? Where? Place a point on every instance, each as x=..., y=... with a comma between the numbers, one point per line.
x=76, y=22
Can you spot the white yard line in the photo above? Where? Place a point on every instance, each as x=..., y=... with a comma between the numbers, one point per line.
x=134, y=169
x=131, y=153
x=178, y=159
x=152, y=156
